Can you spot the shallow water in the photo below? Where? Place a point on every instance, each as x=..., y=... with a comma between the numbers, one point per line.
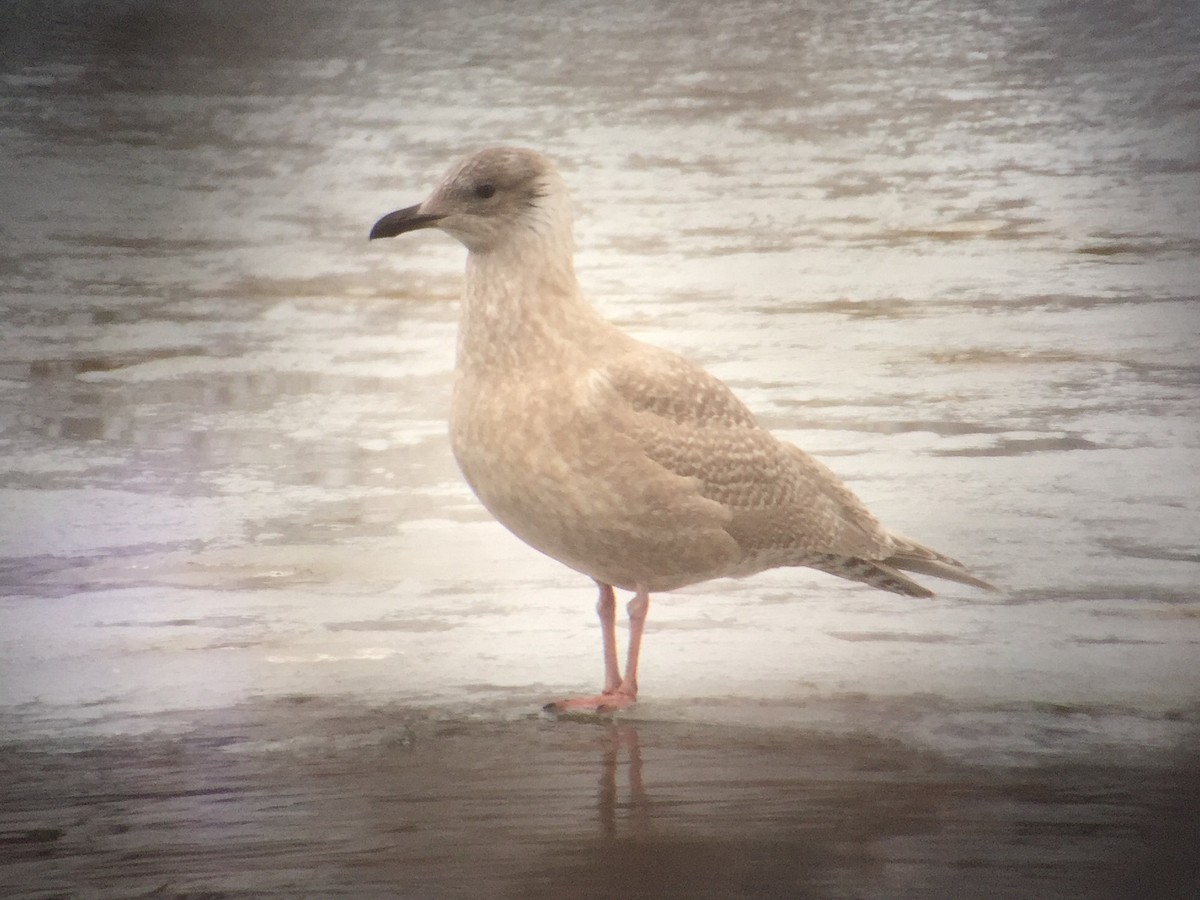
x=312, y=796
x=952, y=252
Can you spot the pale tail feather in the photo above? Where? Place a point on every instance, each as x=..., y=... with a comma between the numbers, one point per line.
x=913, y=557
x=875, y=573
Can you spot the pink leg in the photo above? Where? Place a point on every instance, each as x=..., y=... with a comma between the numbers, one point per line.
x=606, y=608
x=618, y=692
x=638, y=607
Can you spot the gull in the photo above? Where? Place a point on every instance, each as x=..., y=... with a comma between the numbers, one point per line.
x=617, y=458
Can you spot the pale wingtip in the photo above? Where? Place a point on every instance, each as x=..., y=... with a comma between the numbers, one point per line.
x=914, y=557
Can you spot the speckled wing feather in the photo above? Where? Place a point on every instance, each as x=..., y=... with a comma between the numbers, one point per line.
x=786, y=507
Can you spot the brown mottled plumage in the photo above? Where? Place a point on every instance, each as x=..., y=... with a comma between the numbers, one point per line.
x=622, y=460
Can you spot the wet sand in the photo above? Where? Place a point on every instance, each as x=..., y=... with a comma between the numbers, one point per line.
x=307, y=796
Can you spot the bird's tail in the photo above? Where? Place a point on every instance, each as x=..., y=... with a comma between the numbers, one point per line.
x=886, y=574
x=913, y=557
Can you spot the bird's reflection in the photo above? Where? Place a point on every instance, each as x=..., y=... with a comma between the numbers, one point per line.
x=621, y=739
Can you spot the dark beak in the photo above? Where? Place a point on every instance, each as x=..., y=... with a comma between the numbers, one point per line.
x=402, y=220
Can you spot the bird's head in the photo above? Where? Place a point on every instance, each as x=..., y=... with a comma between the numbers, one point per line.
x=488, y=200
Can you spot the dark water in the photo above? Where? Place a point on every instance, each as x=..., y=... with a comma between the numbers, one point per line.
x=310, y=797
x=257, y=637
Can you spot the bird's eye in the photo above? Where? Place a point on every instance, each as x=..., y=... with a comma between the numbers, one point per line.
x=484, y=191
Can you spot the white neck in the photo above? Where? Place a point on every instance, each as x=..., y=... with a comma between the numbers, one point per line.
x=522, y=305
